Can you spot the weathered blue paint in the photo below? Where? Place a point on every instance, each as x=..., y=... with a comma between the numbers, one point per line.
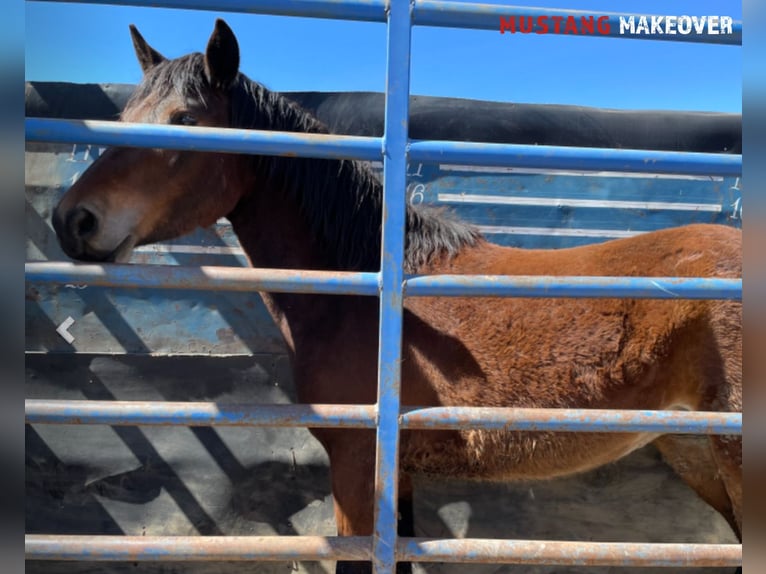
x=167, y=413
x=601, y=287
x=112, y=316
x=392, y=281
x=571, y=420
x=426, y=13
x=487, y=17
x=195, y=548
x=576, y=158
x=344, y=283
x=162, y=322
x=202, y=139
x=555, y=209
x=355, y=147
x=207, y=278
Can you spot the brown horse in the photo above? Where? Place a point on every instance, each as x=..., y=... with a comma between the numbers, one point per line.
x=326, y=214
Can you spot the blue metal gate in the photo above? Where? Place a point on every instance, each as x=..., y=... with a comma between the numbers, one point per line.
x=390, y=284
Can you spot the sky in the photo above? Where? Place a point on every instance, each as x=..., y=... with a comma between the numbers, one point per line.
x=91, y=43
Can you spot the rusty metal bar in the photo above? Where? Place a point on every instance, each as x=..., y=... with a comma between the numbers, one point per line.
x=207, y=278
x=571, y=420
x=392, y=248
x=146, y=413
x=580, y=553
x=465, y=551
x=194, y=548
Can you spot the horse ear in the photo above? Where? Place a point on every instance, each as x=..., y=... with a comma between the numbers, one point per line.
x=147, y=56
x=222, y=56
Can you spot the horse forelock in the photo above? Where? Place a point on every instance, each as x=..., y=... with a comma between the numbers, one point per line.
x=183, y=77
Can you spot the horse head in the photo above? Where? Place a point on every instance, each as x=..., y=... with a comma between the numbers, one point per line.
x=135, y=196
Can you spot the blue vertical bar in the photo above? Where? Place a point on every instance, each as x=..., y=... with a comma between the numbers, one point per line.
x=392, y=284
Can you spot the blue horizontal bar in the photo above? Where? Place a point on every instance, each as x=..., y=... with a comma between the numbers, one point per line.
x=203, y=139
x=487, y=17
x=208, y=278
x=149, y=413
x=571, y=420
x=360, y=10
x=216, y=278
x=364, y=148
x=575, y=158
x=167, y=413
x=194, y=548
x=425, y=13
x=576, y=287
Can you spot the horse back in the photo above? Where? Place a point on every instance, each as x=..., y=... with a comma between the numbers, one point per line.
x=700, y=250
x=564, y=352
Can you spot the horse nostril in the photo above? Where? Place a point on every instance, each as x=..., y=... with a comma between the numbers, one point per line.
x=82, y=223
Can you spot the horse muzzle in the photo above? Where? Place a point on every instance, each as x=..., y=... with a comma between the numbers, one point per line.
x=77, y=228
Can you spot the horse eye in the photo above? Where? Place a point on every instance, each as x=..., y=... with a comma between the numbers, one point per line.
x=184, y=119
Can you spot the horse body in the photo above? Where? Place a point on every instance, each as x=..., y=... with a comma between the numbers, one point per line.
x=571, y=353
x=524, y=352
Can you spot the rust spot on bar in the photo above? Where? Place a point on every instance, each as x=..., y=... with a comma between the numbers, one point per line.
x=481, y=551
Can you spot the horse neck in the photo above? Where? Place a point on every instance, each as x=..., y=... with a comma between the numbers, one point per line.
x=307, y=213
x=273, y=235
x=302, y=213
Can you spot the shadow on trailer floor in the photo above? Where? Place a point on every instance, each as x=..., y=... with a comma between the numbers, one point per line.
x=238, y=481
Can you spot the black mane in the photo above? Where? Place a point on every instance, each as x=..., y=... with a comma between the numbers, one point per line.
x=341, y=199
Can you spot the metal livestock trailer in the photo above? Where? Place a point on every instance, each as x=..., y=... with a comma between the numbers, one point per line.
x=552, y=176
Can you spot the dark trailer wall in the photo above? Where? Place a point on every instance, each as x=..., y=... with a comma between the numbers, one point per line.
x=184, y=346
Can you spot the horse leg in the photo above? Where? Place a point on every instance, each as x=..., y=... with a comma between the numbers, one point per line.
x=406, y=517
x=724, y=393
x=691, y=457
x=406, y=507
x=712, y=363
x=719, y=379
x=352, y=473
x=727, y=451
x=706, y=368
